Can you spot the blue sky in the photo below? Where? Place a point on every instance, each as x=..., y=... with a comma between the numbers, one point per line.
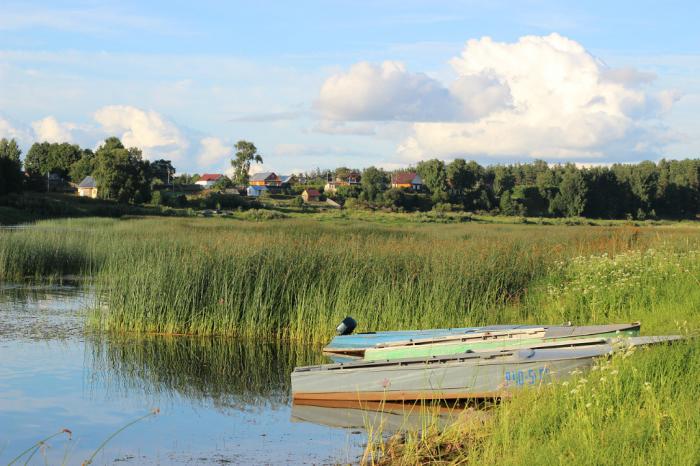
x=324, y=84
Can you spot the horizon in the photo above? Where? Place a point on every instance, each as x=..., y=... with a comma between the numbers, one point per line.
x=381, y=84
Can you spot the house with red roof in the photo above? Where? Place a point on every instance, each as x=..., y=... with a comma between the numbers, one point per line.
x=407, y=180
x=208, y=179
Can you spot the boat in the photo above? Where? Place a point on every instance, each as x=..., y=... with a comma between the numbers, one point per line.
x=494, y=340
x=353, y=346
x=472, y=375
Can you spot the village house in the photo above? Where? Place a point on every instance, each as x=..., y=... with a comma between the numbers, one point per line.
x=208, y=179
x=407, y=180
x=352, y=179
x=88, y=188
x=268, y=179
x=310, y=195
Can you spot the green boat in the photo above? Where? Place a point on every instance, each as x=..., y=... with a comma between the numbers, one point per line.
x=510, y=339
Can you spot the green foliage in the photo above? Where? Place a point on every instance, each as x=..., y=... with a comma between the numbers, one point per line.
x=374, y=182
x=434, y=177
x=46, y=157
x=121, y=174
x=246, y=153
x=10, y=167
x=162, y=170
x=82, y=167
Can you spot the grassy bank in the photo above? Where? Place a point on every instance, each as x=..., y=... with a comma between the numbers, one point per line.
x=640, y=407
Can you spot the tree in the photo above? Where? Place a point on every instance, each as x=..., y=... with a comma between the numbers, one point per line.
x=121, y=174
x=246, y=153
x=374, y=182
x=434, y=177
x=223, y=183
x=10, y=167
x=82, y=167
x=163, y=170
x=571, y=200
x=45, y=157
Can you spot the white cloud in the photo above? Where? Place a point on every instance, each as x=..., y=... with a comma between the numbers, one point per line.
x=212, y=151
x=564, y=104
x=11, y=130
x=383, y=92
x=341, y=127
x=51, y=130
x=157, y=136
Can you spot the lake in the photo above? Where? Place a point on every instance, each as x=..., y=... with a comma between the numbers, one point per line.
x=221, y=400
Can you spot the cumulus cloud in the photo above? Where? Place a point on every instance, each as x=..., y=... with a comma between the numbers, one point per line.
x=541, y=96
x=157, y=136
x=383, y=92
x=12, y=130
x=212, y=151
x=51, y=130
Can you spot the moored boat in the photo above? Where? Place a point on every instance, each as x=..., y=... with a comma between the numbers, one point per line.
x=470, y=375
x=495, y=340
x=355, y=346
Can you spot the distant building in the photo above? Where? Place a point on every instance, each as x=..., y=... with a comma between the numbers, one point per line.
x=88, y=188
x=310, y=195
x=407, y=180
x=256, y=191
x=352, y=179
x=268, y=179
x=288, y=180
x=208, y=179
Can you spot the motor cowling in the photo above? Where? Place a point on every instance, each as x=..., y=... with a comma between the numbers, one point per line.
x=346, y=327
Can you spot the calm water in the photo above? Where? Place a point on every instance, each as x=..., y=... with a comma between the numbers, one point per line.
x=221, y=401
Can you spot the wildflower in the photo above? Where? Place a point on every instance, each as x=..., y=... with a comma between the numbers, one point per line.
x=603, y=379
x=588, y=405
x=582, y=381
x=647, y=386
x=565, y=383
x=574, y=391
x=614, y=372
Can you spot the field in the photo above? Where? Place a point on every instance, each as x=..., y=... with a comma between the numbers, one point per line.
x=295, y=278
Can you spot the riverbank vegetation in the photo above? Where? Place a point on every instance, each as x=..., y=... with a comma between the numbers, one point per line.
x=295, y=278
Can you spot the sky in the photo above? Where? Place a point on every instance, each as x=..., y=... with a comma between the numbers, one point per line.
x=323, y=84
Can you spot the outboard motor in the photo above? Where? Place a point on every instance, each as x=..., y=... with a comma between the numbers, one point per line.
x=346, y=327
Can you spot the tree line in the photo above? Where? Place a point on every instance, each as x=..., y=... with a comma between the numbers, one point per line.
x=667, y=189
x=120, y=172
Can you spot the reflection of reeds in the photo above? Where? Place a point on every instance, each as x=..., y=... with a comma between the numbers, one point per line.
x=227, y=372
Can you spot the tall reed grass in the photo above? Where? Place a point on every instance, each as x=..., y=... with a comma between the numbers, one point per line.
x=296, y=278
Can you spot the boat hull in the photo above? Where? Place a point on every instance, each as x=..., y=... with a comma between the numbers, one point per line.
x=473, y=375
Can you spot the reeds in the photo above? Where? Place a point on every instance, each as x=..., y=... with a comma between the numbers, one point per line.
x=296, y=278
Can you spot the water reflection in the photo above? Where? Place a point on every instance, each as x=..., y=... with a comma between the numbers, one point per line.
x=228, y=372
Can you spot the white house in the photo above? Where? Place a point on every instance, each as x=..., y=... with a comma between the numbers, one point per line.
x=208, y=179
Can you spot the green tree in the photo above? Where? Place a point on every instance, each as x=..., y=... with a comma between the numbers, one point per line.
x=10, y=167
x=121, y=174
x=46, y=157
x=163, y=170
x=374, y=182
x=82, y=167
x=246, y=153
x=434, y=177
x=573, y=191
